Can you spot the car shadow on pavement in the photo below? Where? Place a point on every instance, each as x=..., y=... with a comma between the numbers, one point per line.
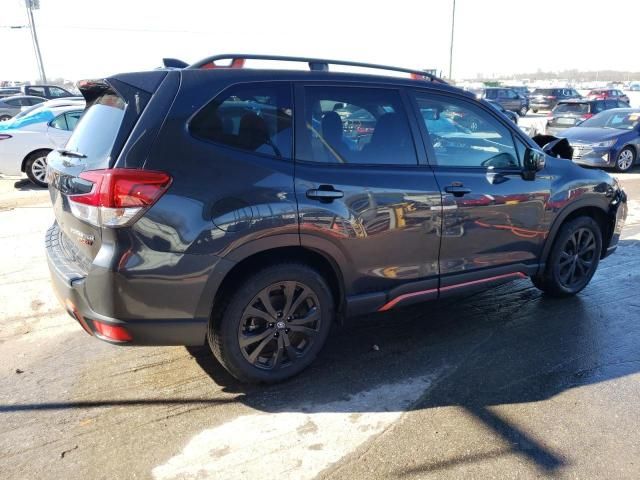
x=25, y=185
x=509, y=345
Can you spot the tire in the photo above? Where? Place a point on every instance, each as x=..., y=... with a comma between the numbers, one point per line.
x=535, y=110
x=556, y=280
x=282, y=346
x=36, y=167
x=625, y=159
x=523, y=111
x=4, y=118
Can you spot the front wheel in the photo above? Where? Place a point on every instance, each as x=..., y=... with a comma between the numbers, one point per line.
x=573, y=258
x=625, y=160
x=273, y=325
x=4, y=118
x=36, y=167
x=523, y=111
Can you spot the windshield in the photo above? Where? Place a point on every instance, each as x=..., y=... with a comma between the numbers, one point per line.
x=96, y=131
x=572, y=108
x=612, y=119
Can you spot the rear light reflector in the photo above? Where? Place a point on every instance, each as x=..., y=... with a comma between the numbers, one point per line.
x=112, y=332
x=118, y=195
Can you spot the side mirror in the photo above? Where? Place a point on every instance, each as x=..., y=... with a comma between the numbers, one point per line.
x=533, y=163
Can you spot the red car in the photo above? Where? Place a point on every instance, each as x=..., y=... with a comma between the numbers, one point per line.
x=607, y=94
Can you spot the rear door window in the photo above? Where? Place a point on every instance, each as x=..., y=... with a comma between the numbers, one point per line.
x=355, y=125
x=252, y=117
x=57, y=92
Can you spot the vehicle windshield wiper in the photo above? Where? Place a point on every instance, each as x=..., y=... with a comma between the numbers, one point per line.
x=71, y=153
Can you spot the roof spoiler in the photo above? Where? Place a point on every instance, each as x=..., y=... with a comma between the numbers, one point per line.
x=237, y=60
x=174, y=63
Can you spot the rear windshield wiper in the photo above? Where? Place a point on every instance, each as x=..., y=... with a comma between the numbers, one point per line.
x=71, y=153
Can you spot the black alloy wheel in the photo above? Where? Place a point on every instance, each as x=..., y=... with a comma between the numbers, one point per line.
x=577, y=258
x=279, y=325
x=272, y=324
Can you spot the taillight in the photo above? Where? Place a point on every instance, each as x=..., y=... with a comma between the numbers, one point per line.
x=4, y=136
x=118, y=195
x=587, y=116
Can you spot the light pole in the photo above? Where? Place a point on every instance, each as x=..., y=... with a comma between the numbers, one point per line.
x=31, y=6
x=453, y=23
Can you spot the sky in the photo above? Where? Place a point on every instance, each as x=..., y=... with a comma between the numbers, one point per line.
x=94, y=38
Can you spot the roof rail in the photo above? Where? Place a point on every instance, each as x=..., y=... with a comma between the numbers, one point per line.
x=315, y=64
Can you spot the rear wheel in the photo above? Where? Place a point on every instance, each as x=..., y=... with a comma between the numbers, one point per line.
x=625, y=160
x=273, y=325
x=535, y=110
x=573, y=258
x=523, y=111
x=4, y=117
x=36, y=167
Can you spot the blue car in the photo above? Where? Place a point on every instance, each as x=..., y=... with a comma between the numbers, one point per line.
x=609, y=139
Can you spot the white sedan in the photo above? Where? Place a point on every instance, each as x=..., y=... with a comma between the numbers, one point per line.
x=27, y=139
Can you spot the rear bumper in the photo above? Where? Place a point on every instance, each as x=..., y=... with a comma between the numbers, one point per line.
x=70, y=285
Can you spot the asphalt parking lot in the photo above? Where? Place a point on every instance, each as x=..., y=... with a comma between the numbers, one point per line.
x=501, y=384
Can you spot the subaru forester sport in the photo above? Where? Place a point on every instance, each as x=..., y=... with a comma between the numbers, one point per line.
x=250, y=209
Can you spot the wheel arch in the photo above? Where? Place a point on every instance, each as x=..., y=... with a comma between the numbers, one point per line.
x=256, y=260
x=599, y=214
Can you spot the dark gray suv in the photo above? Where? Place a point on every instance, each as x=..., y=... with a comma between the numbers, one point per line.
x=509, y=99
x=251, y=209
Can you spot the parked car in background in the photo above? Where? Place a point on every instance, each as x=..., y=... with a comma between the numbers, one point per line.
x=508, y=98
x=634, y=87
x=11, y=106
x=608, y=94
x=243, y=219
x=513, y=116
x=569, y=113
x=44, y=91
x=25, y=142
x=521, y=89
x=548, y=98
x=609, y=139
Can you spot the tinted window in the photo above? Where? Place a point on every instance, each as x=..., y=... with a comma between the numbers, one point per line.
x=598, y=106
x=256, y=118
x=37, y=91
x=55, y=92
x=492, y=94
x=462, y=134
x=96, y=132
x=14, y=102
x=611, y=104
x=35, y=101
x=356, y=125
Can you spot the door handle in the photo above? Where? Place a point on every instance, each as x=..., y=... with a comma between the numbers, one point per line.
x=457, y=190
x=324, y=193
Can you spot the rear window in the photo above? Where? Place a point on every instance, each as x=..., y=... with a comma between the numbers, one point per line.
x=544, y=91
x=95, y=133
x=256, y=118
x=572, y=108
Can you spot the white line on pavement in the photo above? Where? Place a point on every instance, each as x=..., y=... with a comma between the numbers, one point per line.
x=294, y=445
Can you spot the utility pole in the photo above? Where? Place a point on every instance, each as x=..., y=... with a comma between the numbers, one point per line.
x=453, y=23
x=31, y=6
